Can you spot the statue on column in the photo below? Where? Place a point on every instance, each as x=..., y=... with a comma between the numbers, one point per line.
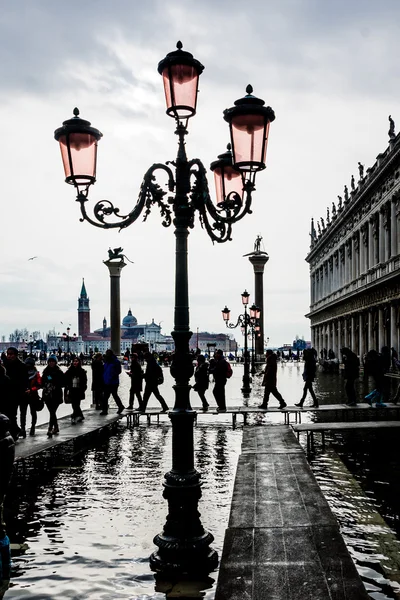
x=391, y=132
x=117, y=254
x=257, y=244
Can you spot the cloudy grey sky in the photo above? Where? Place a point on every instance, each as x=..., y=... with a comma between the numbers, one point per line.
x=328, y=69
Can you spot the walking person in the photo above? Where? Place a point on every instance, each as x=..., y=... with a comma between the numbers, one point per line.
x=136, y=374
x=112, y=370
x=351, y=373
x=52, y=382
x=202, y=380
x=269, y=381
x=32, y=398
x=6, y=404
x=310, y=369
x=220, y=372
x=97, y=367
x=153, y=377
x=75, y=388
x=17, y=371
x=375, y=368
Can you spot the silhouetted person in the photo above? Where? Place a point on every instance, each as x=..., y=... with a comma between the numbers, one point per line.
x=269, y=381
x=97, y=367
x=52, y=395
x=136, y=374
x=375, y=367
x=17, y=371
x=310, y=369
x=202, y=381
x=351, y=373
x=112, y=370
x=153, y=377
x=76, y=385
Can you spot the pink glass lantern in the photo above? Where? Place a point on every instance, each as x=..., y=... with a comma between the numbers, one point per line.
x=226, y=314
x=249, y=122
x=78, y=144
x=180, y=72
x=253, y=311
x=245, y=298
x=228, y=181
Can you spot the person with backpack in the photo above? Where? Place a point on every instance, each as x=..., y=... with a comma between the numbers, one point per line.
x=112, y=370
x=201, y=380
x=136, y=374
x=269, y=381
x=351, y=373
x=75, y=388
x=221, y=371
x=52, y=395
x=153, y=377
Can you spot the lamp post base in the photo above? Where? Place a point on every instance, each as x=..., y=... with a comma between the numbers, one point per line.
x=191, y=556
x=246, y=389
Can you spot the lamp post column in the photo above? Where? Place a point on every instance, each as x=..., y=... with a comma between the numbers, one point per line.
x=246, y=389
x=259, y=259
x=115, y=269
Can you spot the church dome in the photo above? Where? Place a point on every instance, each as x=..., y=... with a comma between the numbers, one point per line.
x=129, y=320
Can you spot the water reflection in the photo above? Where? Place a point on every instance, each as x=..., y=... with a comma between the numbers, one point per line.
x=86, y=518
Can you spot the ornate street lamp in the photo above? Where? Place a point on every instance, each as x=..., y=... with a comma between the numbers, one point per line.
x=246, y=321
x=183, y=546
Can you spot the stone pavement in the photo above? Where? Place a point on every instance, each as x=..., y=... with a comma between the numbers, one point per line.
x=282, y=541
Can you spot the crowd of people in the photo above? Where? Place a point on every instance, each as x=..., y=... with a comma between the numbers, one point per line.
x=20, y=382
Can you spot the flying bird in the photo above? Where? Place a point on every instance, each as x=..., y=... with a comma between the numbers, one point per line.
x=32, y=258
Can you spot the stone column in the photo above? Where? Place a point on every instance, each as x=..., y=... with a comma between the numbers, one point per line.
x=115, y=267
x=394, y=333
x=334, y=342
x=361, y=348
x=381, y=332
x=353, y=343
x=371, y=341
x=394, y=227
x=345, y=333
x=259, y=260
x=328, y=337
x=371, y=257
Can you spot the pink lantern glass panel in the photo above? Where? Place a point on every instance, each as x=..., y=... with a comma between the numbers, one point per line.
x=83, y=156
x=233, y=183
x=248, y=141
x=181, y=93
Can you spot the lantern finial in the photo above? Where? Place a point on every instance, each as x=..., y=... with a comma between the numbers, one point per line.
x=76, y=112
x=179, y=45
x=249, y=89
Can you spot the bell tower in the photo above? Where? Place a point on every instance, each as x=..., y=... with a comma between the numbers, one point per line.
x=83, y=312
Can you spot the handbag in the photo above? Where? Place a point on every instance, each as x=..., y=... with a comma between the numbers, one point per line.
x=67, y=397
x=38, y=404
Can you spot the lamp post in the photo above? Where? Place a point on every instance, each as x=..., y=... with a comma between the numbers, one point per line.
x=67, y=338
x=246, y=321
x=183, y=546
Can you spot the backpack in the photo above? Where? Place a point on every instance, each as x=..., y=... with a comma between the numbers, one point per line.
x=229, y=371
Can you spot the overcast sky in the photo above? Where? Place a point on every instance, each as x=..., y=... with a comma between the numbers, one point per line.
x=328, y=69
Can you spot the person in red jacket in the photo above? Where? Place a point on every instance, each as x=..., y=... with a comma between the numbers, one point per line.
x=269, y=381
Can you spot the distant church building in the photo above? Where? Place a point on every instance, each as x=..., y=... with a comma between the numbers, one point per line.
x=83, y=312
x=131, y=331
x=355, y=261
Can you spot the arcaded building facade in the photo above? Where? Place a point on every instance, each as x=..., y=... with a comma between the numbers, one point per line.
x=354, y=261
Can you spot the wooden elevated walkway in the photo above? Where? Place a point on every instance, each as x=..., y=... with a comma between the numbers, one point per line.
x=311, y=428
x=282, y=541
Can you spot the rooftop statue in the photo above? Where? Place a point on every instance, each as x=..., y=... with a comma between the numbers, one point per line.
x=322, y=224
x=328, y=220
x=334, y=209
x=340, y=201
x=391, y=132
x=361, y=170
x=353, y=183
x=346, y=194
x=319, y=228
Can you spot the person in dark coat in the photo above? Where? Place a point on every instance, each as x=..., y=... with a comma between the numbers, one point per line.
x=75, y=386
x=6, y=403
x=17, y=371
x=351, y=373
x=375, y=368
x=219, y=370
x=136, y=374
x=269, y=381
x=31, y=398
x=112, y=370
x=310, y=369
x=202, y=380
x=53, y=382
x=98, y=379
x=153, y=377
